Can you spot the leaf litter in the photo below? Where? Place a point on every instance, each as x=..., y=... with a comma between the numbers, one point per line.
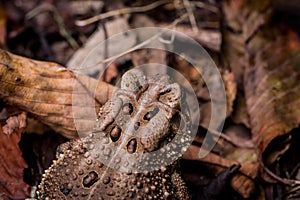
x=256, y=53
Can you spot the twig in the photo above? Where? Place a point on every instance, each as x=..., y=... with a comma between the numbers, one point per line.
x=105, y=52
x=138, y=46
x=277, y=178
x=62, y=30
x=121, y=12
x=206, y=6
x=294, y=171
x=190, y=12
x=292, y=190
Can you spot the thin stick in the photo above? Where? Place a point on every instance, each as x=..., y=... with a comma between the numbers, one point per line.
x=277, y=178
x=138, y=46
x=120, y=12
x=190, y=12
x=206, y=6
x=105, y=53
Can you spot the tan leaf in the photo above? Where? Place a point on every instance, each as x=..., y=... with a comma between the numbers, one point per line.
x=14, y=122
x=46, y=90
x=89, y=56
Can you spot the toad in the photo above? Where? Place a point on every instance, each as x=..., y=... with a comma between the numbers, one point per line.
x=133, y=151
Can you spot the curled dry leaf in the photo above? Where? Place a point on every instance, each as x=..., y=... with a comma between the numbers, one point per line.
x=12, y=163
x=265, y=56
x=45, y=90
x=14, y=122
x=272, y=85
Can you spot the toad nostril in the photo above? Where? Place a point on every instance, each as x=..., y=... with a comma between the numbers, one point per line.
x=137, y=125
x=138, y=85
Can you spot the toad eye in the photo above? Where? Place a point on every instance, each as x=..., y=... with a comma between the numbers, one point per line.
x=127, y=108
x=138, y=85
x=149, y=115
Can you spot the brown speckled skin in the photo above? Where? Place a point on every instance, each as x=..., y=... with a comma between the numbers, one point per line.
x=138, y=120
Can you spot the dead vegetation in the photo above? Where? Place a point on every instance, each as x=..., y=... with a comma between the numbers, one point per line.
x=254, y=47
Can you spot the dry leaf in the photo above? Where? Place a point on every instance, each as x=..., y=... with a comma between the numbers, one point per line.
x=12, y=163
x=14, y=122
x=239, y=135
x=242, y=19
x=243, y=182
x=46, y=89
x=240, y=114
x=208, y=38
x=88, y=58
x=266, y=56
x=231, y=90
x=272, y=85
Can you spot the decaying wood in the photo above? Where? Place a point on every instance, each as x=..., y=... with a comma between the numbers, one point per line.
x=45, y=90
